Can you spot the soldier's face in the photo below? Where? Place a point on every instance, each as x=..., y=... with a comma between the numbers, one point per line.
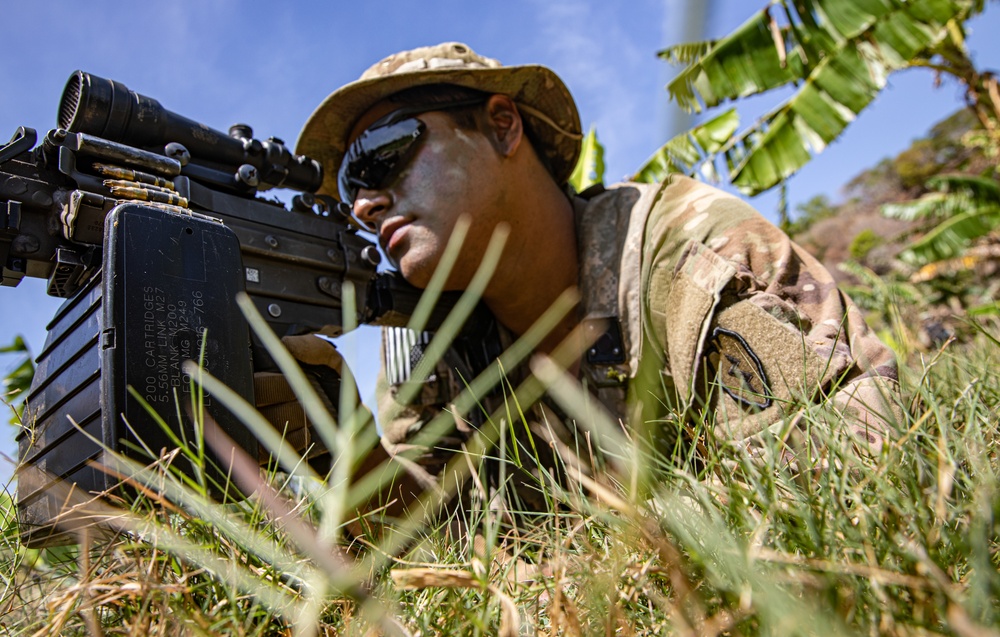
x=452, y=172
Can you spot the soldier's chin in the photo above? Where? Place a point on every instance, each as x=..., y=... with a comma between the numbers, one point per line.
x=418, y=275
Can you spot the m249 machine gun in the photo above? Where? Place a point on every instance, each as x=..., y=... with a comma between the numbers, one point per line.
x=149, y=224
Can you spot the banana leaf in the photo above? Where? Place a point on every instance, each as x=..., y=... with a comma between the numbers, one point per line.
x=15, y=384
x=956, y=194
x=590, y=168
x=981, y=188
x=743, y=63
x=760, y=55
x=685, y=152
x=949, y=239
x=837, y=52
x=686, y=53
x=933, y=204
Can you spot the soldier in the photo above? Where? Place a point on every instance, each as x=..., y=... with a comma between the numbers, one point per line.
x=692, y=304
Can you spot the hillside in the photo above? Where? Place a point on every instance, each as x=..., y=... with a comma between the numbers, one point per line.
x=915, y=304
x=829, y=230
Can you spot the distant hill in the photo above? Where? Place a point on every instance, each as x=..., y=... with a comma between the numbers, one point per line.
x=911, y=308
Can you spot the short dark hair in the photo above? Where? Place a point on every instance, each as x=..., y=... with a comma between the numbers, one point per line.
x=465, y=117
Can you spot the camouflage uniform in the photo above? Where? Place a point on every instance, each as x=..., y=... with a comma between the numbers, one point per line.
x=698, y=305
x=704, y=307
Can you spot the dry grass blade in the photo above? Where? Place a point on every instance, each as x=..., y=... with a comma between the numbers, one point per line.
x=418, y=578
x=589, y=414
x=875, y=574
x=564, y=614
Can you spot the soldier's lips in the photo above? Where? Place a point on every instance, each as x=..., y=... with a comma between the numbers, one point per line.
x=389, y=232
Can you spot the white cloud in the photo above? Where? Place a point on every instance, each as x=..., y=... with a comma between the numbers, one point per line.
x=606, y=54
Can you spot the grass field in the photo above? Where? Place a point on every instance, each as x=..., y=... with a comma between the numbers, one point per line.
x=838, y=543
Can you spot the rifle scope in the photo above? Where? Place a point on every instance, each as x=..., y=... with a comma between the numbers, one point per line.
x=108, y=109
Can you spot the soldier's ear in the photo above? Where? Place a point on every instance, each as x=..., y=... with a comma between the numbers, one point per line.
x=506, y=129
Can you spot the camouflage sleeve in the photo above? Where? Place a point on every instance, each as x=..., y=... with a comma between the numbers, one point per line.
x=751, y=324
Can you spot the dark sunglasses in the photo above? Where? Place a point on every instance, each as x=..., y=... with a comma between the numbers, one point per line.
x=381, y=152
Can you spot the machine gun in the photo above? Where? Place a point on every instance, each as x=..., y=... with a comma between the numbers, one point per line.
x=149, y=224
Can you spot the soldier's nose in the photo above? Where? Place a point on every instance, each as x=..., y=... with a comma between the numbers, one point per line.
x=370, y=206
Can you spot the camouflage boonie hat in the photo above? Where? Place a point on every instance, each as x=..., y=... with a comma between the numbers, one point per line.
x=544, y=101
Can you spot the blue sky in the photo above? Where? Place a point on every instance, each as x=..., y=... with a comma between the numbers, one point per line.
x=270, y=63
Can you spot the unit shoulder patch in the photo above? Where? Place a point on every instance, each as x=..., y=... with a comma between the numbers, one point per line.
x=739, y=370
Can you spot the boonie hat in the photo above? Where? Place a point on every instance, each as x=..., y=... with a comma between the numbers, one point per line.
x=544, y=101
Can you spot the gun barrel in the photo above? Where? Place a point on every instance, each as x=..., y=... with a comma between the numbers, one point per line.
x=108, y=109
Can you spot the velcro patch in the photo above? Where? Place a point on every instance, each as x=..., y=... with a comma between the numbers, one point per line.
x=402, y=350
x=739, y=370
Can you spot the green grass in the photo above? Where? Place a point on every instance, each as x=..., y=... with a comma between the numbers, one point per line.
x=906, y=543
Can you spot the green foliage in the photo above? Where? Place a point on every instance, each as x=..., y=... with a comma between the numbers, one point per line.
x=863, y=243
x=810, y=212
x=987, y=309
x=916, y=164
x=951, y=195
x=987, y=144
x=837, y=54
x=883, y=298
x=929, y=206
x=951, y=237
x=589, y=169
x=683, y=154
x=14, y=386
x=686, y=53
x=964, y=209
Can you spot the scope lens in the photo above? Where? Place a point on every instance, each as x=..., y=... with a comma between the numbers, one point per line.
x=69, y=105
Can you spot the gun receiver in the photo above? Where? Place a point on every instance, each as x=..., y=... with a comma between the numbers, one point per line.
x=149, y=223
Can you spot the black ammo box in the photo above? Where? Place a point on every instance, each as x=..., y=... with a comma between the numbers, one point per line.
x=167, y=283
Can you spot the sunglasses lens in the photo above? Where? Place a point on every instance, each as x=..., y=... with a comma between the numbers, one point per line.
x=377, y=156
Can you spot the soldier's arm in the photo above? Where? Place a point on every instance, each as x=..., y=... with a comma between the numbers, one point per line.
x=743, y=306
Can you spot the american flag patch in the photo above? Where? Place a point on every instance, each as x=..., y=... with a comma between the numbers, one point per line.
x=402, y=350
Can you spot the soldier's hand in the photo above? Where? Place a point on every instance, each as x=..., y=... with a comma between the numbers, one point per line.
x=276, y=400
x=310, y=349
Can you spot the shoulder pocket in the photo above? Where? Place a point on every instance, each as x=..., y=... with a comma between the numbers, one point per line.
x=758, y=368
x=729, y=353
x=682, y=299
